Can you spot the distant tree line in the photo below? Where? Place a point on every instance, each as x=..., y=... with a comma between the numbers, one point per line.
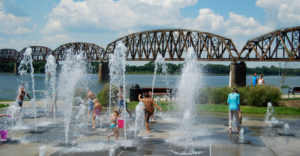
x=214, y=69
x=39, y=67
x=149, y=68
x=8, y=67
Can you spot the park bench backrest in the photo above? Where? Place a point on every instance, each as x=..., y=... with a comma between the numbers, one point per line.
x=296, y=89
x=157, y=90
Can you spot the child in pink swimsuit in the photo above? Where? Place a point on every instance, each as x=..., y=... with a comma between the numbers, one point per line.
x=96, y=111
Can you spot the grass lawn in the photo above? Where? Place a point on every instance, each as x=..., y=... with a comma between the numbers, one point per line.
x=163, y=104
x=6, y=100
x=288, y=99
x=224, y=108
x=249, y=109
x=3, y=105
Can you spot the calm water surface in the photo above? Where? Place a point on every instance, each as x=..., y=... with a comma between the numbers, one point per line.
x=10, y=82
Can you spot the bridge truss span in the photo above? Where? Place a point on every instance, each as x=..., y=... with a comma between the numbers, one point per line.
x=279, y=45
x=90, y=51
x=173, y=44
x=39, y=53
x=9, y=55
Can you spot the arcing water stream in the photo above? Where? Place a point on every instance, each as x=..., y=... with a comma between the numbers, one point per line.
x=117, y=66
x=26, y=69
x=160, y=61
x=72, y=72
x=188, y=87
x=50, y=74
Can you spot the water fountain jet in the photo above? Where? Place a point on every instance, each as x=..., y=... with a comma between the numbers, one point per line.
x=26, y=69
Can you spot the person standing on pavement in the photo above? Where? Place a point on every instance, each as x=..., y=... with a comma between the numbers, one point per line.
x=234, y=109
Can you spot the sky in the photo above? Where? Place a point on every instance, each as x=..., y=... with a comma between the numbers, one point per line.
x=52, y=23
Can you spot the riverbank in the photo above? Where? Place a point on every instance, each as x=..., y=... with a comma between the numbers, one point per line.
x=222, y=108
x=289, y=106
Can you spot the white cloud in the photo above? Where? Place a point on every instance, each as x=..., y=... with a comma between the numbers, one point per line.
x=52, y=25
x=289, y=13
x=114, y=15
x=235, y=26
x=11, y=24
x=239, y=25
x=53, y=41
x=128, y=16
x=125, y=15
x=281, y=12
x=127, y=32
x=1, y=7
x=169, y=3
x=21, y=30
x=207, y=20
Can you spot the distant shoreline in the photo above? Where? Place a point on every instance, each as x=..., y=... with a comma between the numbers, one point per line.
x=151, y=73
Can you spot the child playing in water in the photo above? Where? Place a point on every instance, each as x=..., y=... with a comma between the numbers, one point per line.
x=21, y=96
x=90, y=96
x=2, y=115
x=114, y=126
x=96, y=111
x=149, y=109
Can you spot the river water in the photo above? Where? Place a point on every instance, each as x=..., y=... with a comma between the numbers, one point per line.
x=9, y=82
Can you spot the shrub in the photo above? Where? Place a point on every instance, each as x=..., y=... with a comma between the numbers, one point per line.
x=3, y=105
x=213, y=95
x=103, y=95
x=260, y=95
x=249, y=95
x=80, y=92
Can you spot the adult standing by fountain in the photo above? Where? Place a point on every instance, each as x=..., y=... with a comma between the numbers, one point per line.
x=261, y=80
x=254, y=80
x=234, y=109
x=121, y=101
x=149, y=109
x=90, y=96
x=21, y=96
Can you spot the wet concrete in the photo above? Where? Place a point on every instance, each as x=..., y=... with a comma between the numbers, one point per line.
x=210, y=137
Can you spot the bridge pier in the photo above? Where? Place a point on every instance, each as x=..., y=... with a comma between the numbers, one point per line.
x=16, y=68
x=237, y=76
x=103, y=72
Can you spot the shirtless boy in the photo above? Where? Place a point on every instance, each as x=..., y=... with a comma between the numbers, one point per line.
x=149, y=109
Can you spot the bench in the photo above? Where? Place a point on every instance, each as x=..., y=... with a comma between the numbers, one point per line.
x=159, y=91
x=135, y=90
x=293, y=91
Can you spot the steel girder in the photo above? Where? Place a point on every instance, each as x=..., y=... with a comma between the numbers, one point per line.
x=279, y=45
x=90, y=51
x=173, y=45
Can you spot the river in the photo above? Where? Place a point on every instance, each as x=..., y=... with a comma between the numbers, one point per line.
x=10, y=82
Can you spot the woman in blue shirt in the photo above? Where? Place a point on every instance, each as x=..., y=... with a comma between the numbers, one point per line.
x=234, y=107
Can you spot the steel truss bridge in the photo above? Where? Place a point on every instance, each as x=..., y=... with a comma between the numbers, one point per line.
x=173, y=44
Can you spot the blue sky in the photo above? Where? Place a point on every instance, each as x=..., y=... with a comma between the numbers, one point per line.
x=54, y=22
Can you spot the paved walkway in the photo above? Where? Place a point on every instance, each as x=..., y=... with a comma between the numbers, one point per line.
x=290, y=96
x=208, y=137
